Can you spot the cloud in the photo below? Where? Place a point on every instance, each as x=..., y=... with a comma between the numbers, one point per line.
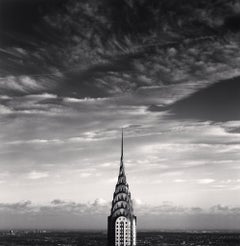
x=179, y=180
x=5, y=110
x=19, y=207
x=88, y=66
x=100, y=202
x=83, y=100
x=39, y=97
x=93, y=215
x=85, y=174
x=37, y=175
x=102, y=206
x=20, y=84
x=206, y=181
x=36, y=141
x=221, y=209
x=216, y=103
x=57, y=202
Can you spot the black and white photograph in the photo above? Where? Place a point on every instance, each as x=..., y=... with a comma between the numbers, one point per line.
x=119, y=122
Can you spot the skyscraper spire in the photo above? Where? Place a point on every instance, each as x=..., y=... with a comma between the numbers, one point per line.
x=122, y=221
x=122, y=169
x=122, y=147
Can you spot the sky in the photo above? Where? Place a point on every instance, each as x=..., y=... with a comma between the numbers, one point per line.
x=72, y=76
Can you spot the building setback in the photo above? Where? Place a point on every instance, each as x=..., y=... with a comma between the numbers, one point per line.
x=122, y=221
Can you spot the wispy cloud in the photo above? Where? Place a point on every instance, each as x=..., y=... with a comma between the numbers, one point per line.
x=21, y=83
x=205, y=181
x=37, y=175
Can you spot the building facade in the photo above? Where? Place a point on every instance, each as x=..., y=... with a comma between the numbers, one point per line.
x=122, y=221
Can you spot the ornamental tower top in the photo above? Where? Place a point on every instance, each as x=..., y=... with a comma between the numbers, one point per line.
x=122, y=221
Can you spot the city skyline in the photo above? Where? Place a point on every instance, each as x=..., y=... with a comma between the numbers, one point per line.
x=67, y=87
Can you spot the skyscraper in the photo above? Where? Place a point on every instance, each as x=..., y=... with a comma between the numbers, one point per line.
x=122, y=221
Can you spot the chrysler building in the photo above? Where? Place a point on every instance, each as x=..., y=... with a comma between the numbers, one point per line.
x=122, y=221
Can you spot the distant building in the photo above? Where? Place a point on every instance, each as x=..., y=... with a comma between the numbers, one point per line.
x=122, y=221
x=12, y=233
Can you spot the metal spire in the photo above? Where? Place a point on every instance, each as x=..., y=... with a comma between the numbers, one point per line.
x=122, y=147
x=121, y=170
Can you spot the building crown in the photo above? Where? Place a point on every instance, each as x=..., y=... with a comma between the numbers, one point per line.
x=122, y=203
